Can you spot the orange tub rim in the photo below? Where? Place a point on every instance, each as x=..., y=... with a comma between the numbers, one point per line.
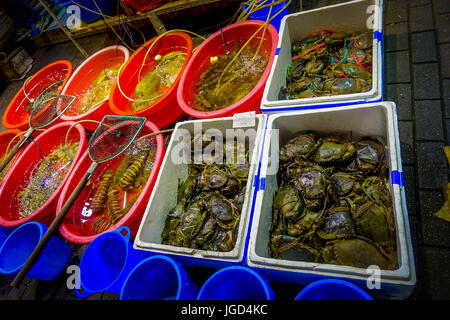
x=40, y=213
x=132, y=214
x=227, y=111
x=24, y=124
x=79, y=69
x=155, y=106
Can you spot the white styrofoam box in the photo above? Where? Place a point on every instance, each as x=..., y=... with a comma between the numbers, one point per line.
x=164, y=198
x=373, y=119
x=379, y=35
x=349, y=16
x=403, y=195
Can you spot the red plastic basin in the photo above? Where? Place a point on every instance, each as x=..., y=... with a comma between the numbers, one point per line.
x=21, y=169
x=5, y=139
x=69, y=230
x=83, y=77
x=165, y=110
x=144, y=5
x=213, y=46
x=16, y=115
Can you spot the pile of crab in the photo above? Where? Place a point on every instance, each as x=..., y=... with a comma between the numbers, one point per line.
x=209, y=203
x=333, y=205
x=329, y=63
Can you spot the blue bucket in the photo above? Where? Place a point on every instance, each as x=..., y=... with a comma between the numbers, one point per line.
x=107, y=261
x=262, y=14
x=20, y=244
x=236, y=283
x=3, y=236
x=158, y=278
x=332, y=289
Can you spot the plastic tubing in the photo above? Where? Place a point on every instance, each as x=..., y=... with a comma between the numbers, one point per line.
x=143, y=64
x=253, y=6
x=153, y=134
x=73, y=125
x=248, y=41
x=16, y=136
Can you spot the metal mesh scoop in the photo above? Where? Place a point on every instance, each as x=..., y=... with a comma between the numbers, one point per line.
x=45, y=110
x=52, y=87
x=48, y=108
x=113, y=136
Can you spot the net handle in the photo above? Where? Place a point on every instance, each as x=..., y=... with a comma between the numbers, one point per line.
x=24, y=91
x=53, y=227
x=15, y=149
x=99, y=137
x=55, y=118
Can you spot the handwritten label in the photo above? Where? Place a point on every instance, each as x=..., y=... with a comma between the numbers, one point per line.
x=245, y=119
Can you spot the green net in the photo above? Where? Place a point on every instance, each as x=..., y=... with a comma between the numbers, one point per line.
x=113, y=136
x=49, y=107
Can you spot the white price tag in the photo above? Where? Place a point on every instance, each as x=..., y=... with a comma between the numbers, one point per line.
x=245, y=119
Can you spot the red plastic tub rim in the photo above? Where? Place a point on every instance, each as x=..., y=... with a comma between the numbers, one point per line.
x=11, y=180
x=5, y=139
x=78, y=75
x=71, y=233
x=19, y=101
x=144, y=5
x=124, y=108
x=191, y=72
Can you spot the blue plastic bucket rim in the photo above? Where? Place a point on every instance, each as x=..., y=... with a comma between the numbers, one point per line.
x=275, y=9
x=63, y=3
x=116, y=234
x=344, y=283
x=40, y=227
x=173, y=263
x=251, y=271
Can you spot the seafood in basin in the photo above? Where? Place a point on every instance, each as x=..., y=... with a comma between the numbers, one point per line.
x=45, y=177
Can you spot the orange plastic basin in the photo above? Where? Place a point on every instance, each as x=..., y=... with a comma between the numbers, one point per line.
x=71, y=229
x=165, y=110
x=213, y=46
x=5, y=139
x=21, y=169
x=16, y=115
x=84, y=76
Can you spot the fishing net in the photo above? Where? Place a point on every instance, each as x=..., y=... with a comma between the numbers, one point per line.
x=47, y=108
x=113, y=135
x=52, y=87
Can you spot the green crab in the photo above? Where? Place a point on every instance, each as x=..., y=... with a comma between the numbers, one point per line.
x=189, y=225
x=339, y=224
x=359, y=253
x=370, y=156
x=332, y=151
x=288, y=202
x=301, y=146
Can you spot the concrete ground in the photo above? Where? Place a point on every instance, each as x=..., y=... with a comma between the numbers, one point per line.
x=417, y=79
x=417, y=72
